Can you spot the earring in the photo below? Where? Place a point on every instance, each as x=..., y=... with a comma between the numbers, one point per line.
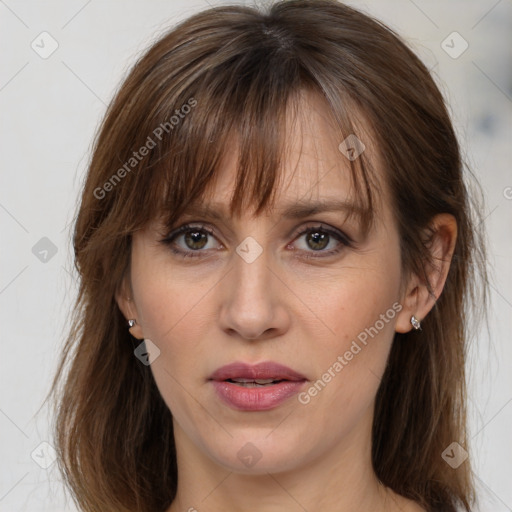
x=131, y=323
x=415, y=323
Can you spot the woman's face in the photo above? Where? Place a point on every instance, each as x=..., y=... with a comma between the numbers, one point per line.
x=263, y=290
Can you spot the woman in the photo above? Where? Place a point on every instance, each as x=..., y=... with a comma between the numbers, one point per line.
x=275, y=250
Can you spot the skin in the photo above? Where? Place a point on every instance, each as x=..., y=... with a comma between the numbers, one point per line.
x=206, y=312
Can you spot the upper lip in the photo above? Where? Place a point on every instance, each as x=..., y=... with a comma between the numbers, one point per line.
x=264, y=370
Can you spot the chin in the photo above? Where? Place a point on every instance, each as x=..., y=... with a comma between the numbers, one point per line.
x=256, y=455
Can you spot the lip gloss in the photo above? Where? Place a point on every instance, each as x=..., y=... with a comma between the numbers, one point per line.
x=258, y=398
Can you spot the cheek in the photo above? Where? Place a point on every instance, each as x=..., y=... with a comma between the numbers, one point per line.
x=360, y=304
x=173, y=317
x=169, y=319
x=167, y=299
x=173, y=310
x=358, y=318
x=349, y=372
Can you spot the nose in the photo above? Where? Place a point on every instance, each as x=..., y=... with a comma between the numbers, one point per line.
x=252, y=305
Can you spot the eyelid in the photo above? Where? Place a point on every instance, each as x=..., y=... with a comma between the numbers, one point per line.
x=189, y=226
x=296, y=232
x=323, y=227
x=302, y=230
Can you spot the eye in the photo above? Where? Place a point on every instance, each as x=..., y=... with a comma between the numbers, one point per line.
x=317, y=238
x=188, y=241
x=194, y=239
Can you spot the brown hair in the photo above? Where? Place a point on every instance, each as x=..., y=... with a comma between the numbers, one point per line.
x=235, y=70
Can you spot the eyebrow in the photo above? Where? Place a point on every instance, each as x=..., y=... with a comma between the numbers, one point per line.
x=295, y=210
x=301, y=208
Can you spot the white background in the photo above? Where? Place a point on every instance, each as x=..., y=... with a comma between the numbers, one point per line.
x=50, y=111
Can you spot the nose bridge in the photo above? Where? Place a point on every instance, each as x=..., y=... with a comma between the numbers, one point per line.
x=251, y=270
x=250, y=305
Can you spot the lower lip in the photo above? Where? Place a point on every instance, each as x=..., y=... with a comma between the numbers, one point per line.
x=258, y=398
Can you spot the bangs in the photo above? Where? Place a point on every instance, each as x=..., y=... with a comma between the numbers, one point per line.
x=239, y=98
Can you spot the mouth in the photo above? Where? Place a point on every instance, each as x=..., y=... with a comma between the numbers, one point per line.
x=263, y=374
x=257, y=387
x=250, y=383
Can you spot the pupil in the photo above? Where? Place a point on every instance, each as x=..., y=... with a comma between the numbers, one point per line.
x=195, y=237
x=319, y=240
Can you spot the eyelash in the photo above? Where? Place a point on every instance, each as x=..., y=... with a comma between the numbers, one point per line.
x=344, y=240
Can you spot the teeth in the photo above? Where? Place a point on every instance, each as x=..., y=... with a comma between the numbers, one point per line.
x=258, y=381
x=252, y=385
x=264, y=381
x=253, y=382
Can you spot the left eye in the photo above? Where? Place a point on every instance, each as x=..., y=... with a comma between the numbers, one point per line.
x=316, y=240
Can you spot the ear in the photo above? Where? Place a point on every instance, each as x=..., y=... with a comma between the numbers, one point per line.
x=125, y=301
x=417, y=300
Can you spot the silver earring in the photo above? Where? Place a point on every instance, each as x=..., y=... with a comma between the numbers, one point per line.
x=415, y=323
x=131, y=323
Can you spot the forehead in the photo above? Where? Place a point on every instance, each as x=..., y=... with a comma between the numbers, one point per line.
x=313, y=166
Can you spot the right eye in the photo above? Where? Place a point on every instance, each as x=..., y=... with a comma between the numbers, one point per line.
x=193, y=240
